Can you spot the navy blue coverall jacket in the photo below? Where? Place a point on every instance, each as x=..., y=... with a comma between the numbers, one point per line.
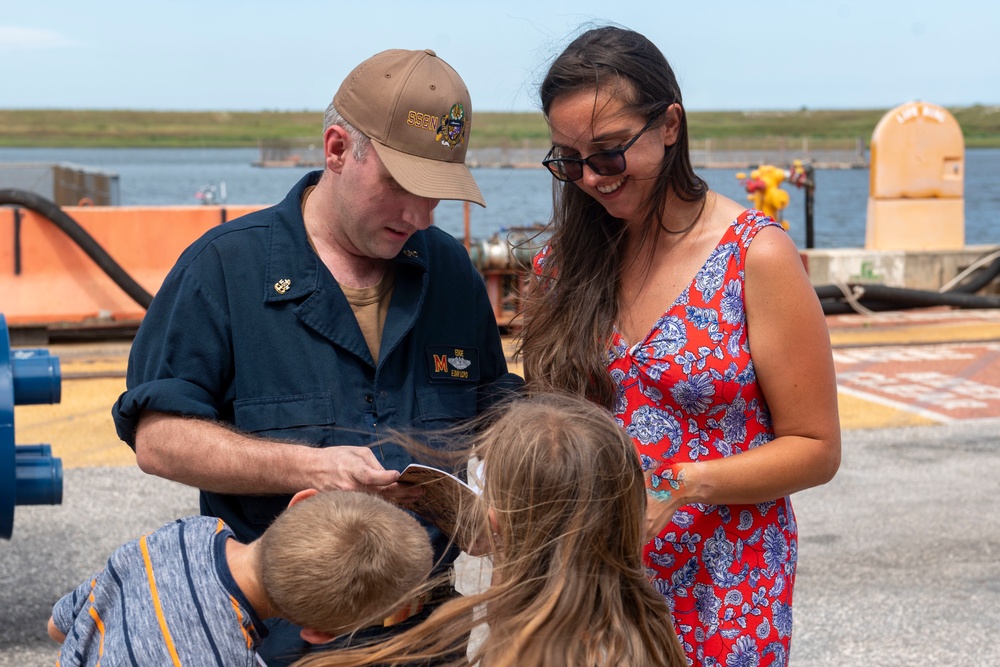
x=251, y=329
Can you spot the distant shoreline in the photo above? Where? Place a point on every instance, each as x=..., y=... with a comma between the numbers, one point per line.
x=39, y=128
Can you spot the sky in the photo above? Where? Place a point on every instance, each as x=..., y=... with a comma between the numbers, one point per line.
x=256, y=55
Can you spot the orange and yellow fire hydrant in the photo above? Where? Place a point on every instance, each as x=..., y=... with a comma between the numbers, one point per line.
x=764, y=190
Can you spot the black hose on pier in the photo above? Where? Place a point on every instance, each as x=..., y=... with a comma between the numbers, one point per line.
x=79, y=235
x=877, y=297
x=980, y=279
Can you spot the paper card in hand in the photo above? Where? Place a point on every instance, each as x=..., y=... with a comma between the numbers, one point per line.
x=443, y=495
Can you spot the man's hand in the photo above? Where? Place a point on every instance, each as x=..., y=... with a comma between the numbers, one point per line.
x=352, y=469
x=357, y=469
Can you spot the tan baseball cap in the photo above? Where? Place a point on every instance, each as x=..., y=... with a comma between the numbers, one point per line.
x=417, y=111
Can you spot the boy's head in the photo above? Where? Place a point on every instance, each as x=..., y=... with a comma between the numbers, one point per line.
x=336, y=559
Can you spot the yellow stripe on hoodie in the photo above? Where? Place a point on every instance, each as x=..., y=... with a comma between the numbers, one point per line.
x=156, y=604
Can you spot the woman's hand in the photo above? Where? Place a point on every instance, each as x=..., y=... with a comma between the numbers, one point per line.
x=665, y=490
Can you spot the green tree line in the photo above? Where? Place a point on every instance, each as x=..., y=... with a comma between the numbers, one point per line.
x=141, y=129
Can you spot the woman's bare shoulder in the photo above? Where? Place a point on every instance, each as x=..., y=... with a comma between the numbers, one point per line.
x=722, y=209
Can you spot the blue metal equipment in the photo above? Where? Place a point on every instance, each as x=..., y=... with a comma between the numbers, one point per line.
x=28, y=473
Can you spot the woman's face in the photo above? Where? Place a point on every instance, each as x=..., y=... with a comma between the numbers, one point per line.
x=582, y=123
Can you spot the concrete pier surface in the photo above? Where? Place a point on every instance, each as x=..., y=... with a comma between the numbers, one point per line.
x=899, y=556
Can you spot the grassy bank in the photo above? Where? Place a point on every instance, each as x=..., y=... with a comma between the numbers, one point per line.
x=86, y=128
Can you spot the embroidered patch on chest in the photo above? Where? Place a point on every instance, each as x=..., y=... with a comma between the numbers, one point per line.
x=446, y=362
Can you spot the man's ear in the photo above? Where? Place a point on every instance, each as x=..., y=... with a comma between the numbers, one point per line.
x=315, y=636
x=302, y=495
x=336, y=144
x=672, y=123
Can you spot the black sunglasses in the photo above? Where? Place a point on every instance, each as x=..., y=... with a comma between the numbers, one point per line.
x=604, y=163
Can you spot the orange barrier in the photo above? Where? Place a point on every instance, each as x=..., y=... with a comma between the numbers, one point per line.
x=46, y=278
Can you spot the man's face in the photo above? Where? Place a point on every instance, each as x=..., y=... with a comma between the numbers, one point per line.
x=375, y=215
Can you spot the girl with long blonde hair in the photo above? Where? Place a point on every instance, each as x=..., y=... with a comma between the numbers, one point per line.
x=563, y=497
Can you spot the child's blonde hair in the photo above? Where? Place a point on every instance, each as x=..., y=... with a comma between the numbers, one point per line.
x=567, y=492
x=342, y=559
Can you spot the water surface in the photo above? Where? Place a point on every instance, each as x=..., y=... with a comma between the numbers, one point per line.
x=515, y=197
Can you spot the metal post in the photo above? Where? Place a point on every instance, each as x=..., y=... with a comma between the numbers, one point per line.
x=466, y=217
x=17, y=241
x=810, y=186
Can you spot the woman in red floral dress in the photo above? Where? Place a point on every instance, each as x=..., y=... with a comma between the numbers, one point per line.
x=693, y=321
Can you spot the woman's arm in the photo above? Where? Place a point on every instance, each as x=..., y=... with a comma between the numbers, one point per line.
x=790, y=344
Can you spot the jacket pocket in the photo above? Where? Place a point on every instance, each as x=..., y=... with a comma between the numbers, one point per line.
x=276, y=413
x=442, y=404
x=299, y=418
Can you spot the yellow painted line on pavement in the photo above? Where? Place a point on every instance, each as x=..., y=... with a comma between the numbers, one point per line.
x=914, y=334
x=79, y=428
x=861, y=412
x=82, y=434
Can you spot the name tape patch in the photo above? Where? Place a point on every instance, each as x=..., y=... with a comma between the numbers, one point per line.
x=447, y=362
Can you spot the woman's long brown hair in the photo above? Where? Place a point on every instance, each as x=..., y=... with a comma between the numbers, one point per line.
x=568, y=496
x=569, y=320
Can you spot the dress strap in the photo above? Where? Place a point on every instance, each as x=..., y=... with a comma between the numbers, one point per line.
x=749, y=223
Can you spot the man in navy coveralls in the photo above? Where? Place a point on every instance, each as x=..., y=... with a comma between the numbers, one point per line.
x=283, y=344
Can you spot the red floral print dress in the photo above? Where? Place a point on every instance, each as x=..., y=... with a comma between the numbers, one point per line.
x=688, y=392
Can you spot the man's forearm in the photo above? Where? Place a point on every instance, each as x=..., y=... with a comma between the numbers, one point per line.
x=212, y=457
